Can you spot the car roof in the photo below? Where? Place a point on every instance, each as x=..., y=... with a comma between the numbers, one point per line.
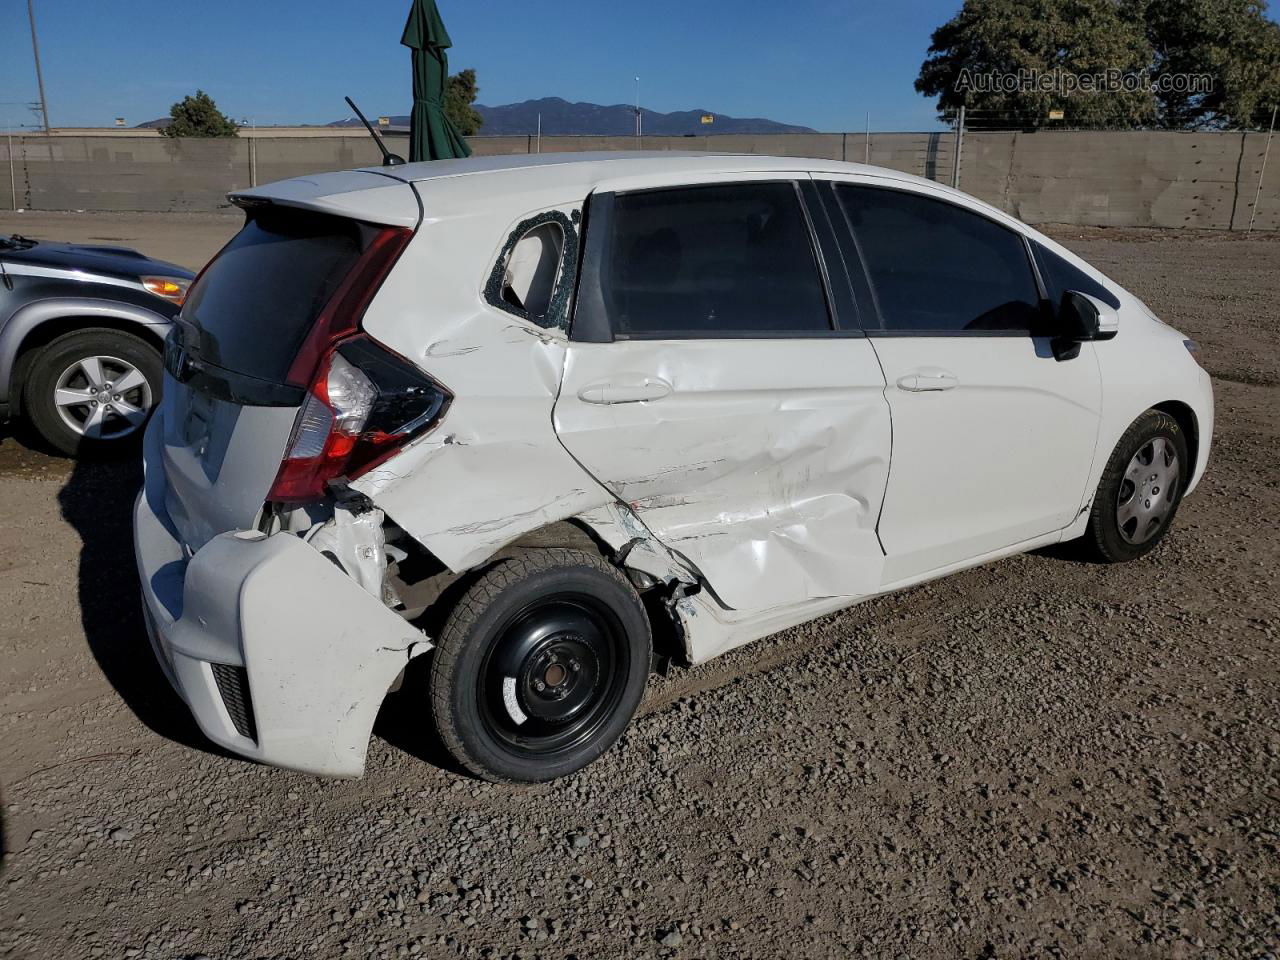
x=613, y=164
x=374, y=194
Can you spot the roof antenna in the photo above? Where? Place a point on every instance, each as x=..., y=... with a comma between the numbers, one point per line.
x=389, y=159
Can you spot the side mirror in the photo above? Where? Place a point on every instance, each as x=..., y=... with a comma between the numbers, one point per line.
x=1083, y=317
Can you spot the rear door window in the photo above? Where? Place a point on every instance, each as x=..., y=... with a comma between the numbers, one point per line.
x=936, y=268
x=256, y=302
x=708, y=261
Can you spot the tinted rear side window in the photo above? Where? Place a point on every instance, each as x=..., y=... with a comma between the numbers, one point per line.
x=715, y=260
x=938, y=268
x=256, y=302
x=1060, y=276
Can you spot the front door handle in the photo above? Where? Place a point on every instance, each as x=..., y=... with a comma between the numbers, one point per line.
x=625, y=390
x=927, y=380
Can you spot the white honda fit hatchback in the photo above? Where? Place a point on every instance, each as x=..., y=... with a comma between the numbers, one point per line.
x=551, y=420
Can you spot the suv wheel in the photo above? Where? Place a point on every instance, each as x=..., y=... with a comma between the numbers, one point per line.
x=540, y=666
x=1140, y=489
x=91, y=392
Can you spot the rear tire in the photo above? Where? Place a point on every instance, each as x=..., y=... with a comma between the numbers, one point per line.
x=91, y=392
x=540, y=666
x=1140, y=490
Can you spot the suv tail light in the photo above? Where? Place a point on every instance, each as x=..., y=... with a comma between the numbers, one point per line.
x=365, y=403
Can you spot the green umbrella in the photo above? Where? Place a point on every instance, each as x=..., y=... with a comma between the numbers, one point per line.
x=431, y=135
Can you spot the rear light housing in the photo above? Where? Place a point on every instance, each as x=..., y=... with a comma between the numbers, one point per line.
x=365, y=404
x=364, y=401
x=341, y=316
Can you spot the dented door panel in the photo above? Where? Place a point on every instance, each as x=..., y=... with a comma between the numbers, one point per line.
x=764, y=466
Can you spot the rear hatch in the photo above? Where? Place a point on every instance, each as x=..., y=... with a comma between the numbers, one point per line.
x=255, y=327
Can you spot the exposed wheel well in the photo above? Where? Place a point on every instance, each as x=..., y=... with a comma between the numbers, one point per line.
x=51, y=330
x=667, y=643
x=1186, y=418
x=437, y=590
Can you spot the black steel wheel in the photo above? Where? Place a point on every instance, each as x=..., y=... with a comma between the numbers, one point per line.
x=540, y=666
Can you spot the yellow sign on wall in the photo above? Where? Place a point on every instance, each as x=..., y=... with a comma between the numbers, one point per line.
x=1057, y=114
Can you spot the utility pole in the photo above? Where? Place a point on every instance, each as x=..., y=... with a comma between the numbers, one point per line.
x=253, y=149
x=955, y=165
x=13, y=183
x=1262, y=173
x=639, y=121
x=866, y=148
x=35, y=48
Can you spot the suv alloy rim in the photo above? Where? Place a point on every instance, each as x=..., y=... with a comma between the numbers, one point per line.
x=1147, y=490
x=102, y=398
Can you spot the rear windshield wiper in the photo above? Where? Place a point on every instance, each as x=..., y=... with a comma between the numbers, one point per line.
x=17, y=242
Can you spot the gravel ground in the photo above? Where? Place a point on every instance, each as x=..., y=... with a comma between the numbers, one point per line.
x=1039, y=758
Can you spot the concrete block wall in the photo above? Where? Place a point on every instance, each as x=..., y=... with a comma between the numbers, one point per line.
x=1124, y=179
x=1129, y=179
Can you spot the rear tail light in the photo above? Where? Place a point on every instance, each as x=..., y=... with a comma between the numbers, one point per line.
x=341, y=316
x=365, y=404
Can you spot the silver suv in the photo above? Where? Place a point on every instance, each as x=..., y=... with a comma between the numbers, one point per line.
x=81, y=329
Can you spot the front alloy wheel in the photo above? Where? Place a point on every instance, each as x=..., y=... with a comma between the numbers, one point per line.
x=102, y=398
x=1149, y=491
x=1141, y=487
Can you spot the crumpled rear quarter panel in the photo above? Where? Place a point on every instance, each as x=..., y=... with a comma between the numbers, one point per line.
x=493, y=469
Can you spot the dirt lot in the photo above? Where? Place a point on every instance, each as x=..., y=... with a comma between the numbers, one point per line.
x=1039, y=758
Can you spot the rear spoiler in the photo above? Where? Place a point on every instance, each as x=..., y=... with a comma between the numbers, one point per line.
x=355, y=194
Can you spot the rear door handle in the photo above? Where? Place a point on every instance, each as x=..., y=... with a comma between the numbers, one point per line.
x=625, y=390
x=927, y=380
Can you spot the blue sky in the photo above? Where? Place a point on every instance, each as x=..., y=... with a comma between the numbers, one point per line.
x=820, y=63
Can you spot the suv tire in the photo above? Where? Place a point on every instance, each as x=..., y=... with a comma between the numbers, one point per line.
x=93, y=363
x=540, y=666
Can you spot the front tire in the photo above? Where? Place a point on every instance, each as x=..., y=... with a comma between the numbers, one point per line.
x=540, y=666
x=1140, y=489
x=90, y=393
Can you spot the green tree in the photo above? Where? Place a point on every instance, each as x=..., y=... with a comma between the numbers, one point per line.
x=458, y=98
x=1024, y=38
x=198, y=116
x=1230, y=41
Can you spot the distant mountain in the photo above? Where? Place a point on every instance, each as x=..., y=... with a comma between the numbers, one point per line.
x=562, y=118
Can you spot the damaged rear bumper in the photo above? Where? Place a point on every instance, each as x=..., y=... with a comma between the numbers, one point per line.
x=279, y=655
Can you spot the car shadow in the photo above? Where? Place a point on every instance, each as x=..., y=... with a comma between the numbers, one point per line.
x=405, y=722
x=97, y=501
x=1071, y=551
